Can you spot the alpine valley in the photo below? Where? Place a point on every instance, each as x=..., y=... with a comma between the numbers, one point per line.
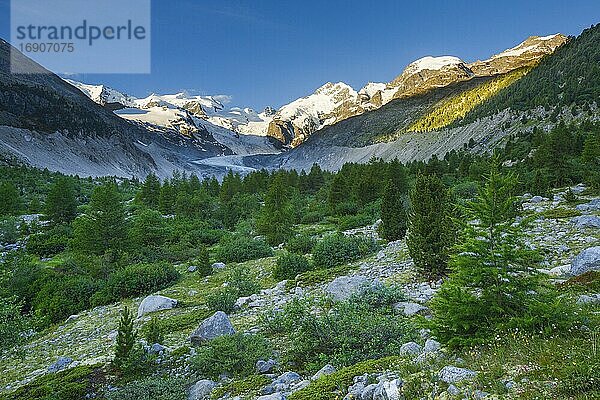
x=435, y=237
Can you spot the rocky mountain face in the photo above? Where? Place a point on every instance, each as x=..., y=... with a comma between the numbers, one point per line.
x=161, y=133
x=46, y=122
x=331, y=103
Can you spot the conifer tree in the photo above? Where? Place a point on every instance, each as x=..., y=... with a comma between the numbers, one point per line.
x=396, y=172
x=10, y=200
x=154, y=333
x=492, y=279
x=275, y=221
x=204, y=265
x=393, y=213
x=61, y=202
x=431, y=230
x=149, y=193
x=167, y=198
x=103, y=228
x=125, y=340
x=339, y=192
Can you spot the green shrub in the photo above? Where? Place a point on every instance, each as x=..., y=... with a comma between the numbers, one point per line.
x=154, y=332
x=348, y=222
x=240, y=283
x=300, y=244
x=72, y=384
x=465, y=190
x=290, y=265
x=63, y=296
x=312, y=217
x=339, y=249
x=329, y=386
x=9, y=232
x=50, y=243
x=154, y=388
x=204, y=267
x=235, y=355
x=135, y=280
x=246, y=387
x=184, y=322
x=241, y=248
x=356, y=331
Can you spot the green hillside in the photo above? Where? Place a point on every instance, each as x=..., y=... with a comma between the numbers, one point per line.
x=448, y=111
x=569, y=76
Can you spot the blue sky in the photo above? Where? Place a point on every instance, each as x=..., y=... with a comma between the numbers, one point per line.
x=269, y=52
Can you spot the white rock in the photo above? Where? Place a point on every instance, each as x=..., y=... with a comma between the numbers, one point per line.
x=586, y=221
x=409, y=309
x=431, y=346
x=589, y=299
x=155, y=303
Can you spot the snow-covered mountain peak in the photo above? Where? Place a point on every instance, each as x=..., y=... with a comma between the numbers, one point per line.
x=432, y=63
x=534, y=45
x=104, y=95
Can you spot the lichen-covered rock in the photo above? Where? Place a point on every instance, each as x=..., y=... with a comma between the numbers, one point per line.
x=410, y=349
x=201, y=390
x=155, y=303
x=409, y=309
x=326, y=370
x=60, y=364
x=586, y=221
x=452, y=374
x=388, y=390
x=343, y=287
x=212, y=327
x=264, y=367
x=587, y=260
x=431, y=346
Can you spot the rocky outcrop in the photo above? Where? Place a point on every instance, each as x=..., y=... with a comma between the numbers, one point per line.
x=587, y=260
x=525, y=54
x=201, y=390
x=452, y=374
x=212, y=327
x=343, y=287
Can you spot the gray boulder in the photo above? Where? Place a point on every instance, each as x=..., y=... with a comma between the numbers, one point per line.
x=218, y=265
x=388, y=390
x=60, y=364
x=587, y=260
x=264, y=367
x=192, y=268
x=586, y=221
x=212, y=327
x=369, y=391
x=155, y=303
x=409, y=309
x=452, y=374
x=287, y=378
x=326, y=370
x=432, y=346
x=343, y=287
x=410, y=349
x=201, y=390
x=589, y=299
x=536, y=199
